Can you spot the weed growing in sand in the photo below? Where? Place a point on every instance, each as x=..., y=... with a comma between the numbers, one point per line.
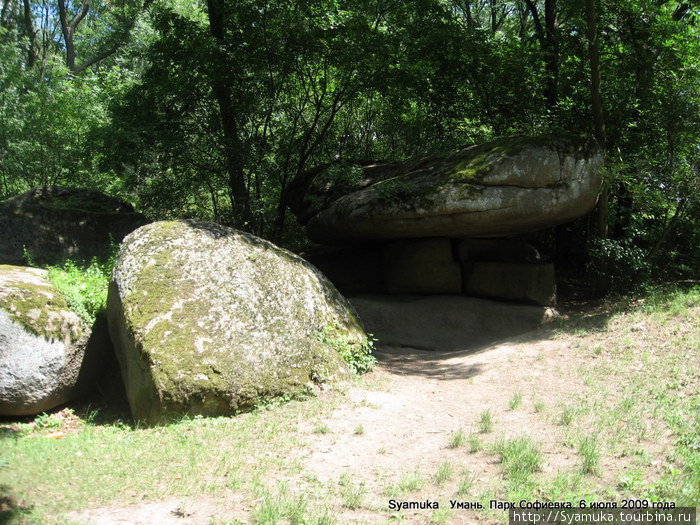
x=566, y=416
x=440, y=516
x=320, y=428
x=485, y=423
x=409, y=482
x=466, y=482
x=457, y=440
x=443, y=473
x=474, y=443
x=590, y=456
x=278, y=505
x=515, y=401
x=352, y=494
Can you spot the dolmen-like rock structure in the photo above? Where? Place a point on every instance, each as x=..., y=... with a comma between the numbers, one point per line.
x=48, y=354
x=207, y=320
x=51, y=223
x=448, y=224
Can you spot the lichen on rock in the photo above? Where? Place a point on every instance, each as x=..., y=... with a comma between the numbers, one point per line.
x=208, y=320
x=32, y=302
x=502, y=188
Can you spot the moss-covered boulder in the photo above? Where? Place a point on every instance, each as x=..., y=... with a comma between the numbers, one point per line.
x=52, y=223
x=45, y=355
x=502, y=188
x=209, y=320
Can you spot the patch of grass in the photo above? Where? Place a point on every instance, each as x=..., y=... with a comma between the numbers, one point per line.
x=457, y=440
x=274, y=507
x=357, y=355
x=466, y=482
x=539, y=406
x=521, y=457
x=359, y=430
x=109, y=462
x=515, y=401
x=590, y=456
x=485, y=423
x=409, y=482
x=353, y=494
x=566, y=416
x=46, y=421
x=440, y=516
x=444, y=473
x=321, y=428
x=474, y=443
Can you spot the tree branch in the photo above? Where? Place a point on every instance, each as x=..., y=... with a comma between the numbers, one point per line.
x=539, y=30
x=97, y=58
x=79, y=17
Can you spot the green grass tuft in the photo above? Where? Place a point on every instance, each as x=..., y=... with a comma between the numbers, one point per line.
x=444, y=473
x=590, y=456
x=457, y=440
x=521, y=457
x=485, y=423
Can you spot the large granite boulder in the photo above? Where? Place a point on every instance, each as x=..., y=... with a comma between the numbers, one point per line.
x=502, y=188
x=525, y=283
x=46, y=352
x=53, y=223
x=209, y=320
x=445, y=322
x=421, y=266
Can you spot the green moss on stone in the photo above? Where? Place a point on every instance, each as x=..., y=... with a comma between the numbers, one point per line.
x=39, y=308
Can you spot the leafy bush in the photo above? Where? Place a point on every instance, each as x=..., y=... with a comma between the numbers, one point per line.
x=622, y=260
x=357, y=355
x=83, y=285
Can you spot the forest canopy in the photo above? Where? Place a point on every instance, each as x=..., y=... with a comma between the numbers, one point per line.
x=210, y=109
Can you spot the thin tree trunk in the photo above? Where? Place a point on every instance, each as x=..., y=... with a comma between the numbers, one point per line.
x=238, y=192
x=601, y=213
x=29, y=28
x=549, y=43
x=551, y=54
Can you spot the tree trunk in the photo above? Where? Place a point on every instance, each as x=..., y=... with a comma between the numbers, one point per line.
x=29, y=29
x=549, y=43
x=238, y=191
x=601, y=212
x=551, y=54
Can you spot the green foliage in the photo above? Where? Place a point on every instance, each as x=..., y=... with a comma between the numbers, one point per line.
x=83, y=285
x=625, y=263
x=475, y=444
x=330, y=82
x=357, y=355
x=353, y=494
x=47, y=422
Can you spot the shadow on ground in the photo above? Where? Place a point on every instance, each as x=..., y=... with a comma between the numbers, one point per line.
x=454, y=364
x=10, y=510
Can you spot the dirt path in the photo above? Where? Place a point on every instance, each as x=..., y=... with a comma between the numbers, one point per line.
x=403, y=424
